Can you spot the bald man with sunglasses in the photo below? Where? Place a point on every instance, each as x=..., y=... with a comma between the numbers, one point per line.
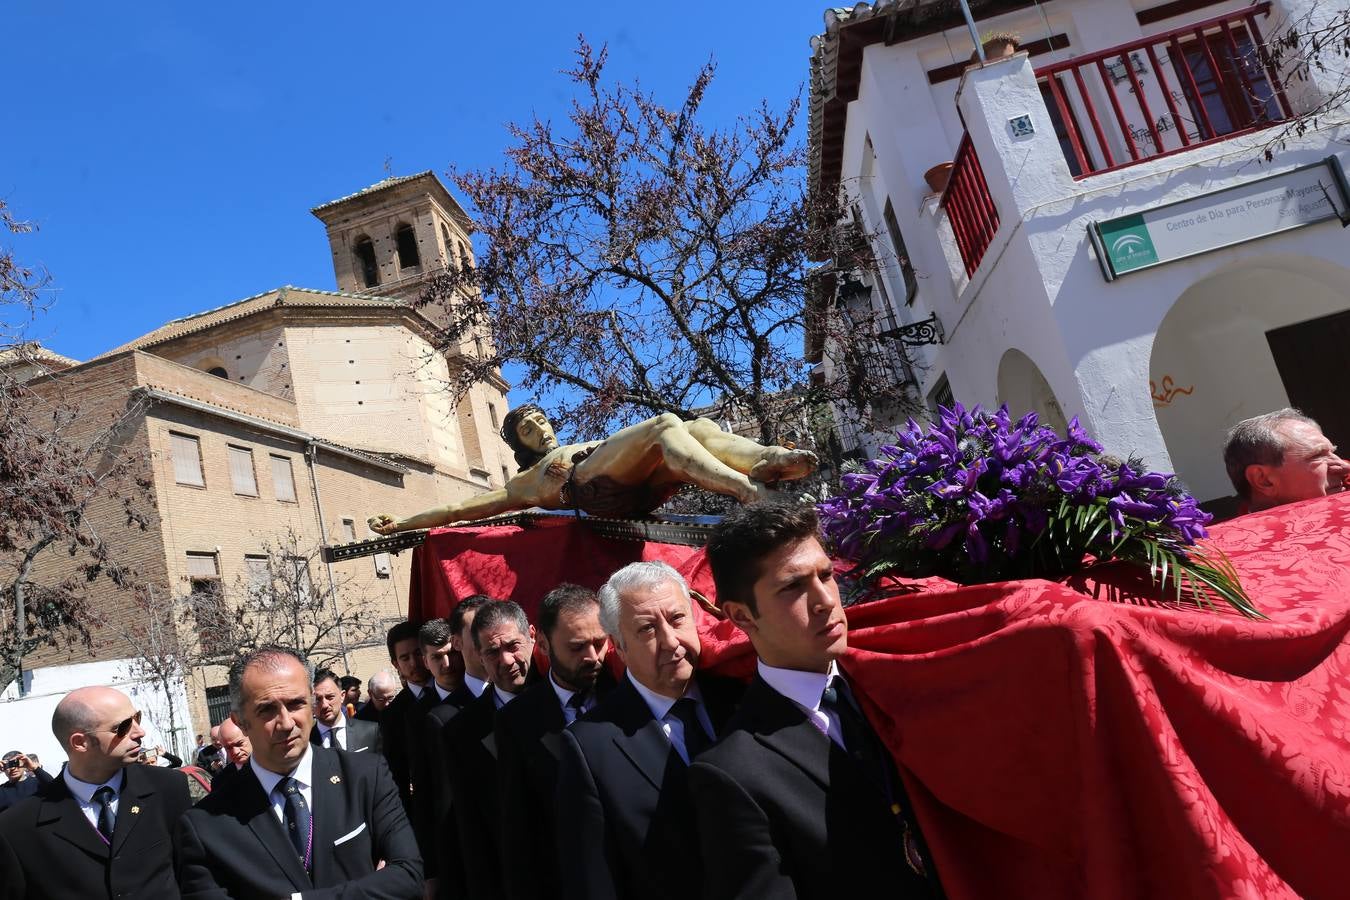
x=103, y=829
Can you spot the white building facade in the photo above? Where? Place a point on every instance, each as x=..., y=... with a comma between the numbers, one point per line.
x=1114, y=243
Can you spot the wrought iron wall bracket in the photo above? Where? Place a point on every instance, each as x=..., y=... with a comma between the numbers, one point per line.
x=917, y=334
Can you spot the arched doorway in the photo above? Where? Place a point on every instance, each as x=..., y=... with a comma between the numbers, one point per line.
x=1024, y=389
x=1228, y=349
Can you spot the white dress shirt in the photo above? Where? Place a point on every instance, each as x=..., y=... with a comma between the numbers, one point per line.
x=336, y=736
x=441, y=692
x=671, y=723
x=805, y=690
x=501, y=697
x=474, y=684
x=570, y=713
x=269, y=780
x=84, y=794
x=417, y=689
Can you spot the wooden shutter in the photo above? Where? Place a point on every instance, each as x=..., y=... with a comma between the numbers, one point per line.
x=283, y=479
x=202, y=565
x=187, y=460
x=241, y=471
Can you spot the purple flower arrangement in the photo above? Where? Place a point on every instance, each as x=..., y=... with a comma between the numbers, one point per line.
x=980, y=497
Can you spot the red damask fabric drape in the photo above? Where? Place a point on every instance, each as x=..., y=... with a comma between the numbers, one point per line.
x=1056, y=744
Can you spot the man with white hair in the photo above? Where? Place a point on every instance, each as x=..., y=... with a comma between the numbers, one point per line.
x=102, y=829
x=1282, y=457
x=382, y=687
x=625, y=815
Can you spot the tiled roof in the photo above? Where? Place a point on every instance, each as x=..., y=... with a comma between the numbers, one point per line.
x=377, y=186
x=35, y=353
x=283, y=296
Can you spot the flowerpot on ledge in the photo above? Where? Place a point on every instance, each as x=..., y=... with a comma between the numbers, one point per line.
x=938, y=176
x=996, y=48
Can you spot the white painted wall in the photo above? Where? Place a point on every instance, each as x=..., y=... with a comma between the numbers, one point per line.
x=26, y=722
x=1039, y=289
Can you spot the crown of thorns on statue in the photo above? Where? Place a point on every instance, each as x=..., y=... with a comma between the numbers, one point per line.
x=525, y=456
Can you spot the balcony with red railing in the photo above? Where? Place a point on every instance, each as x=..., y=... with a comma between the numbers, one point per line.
x=1164, y=94
x=969, y=207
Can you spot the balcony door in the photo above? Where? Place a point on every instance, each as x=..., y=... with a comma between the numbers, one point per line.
x=1236, y=97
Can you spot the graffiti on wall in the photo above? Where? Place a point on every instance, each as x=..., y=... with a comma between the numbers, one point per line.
x=1168, y=392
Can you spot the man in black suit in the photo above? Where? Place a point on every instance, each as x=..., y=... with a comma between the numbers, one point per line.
x=504, y=640
x=25, y=777
x=102, y=829
x=404, y=712
x=529, y=737
x=381, y=689
x=436, y=820
x=800, y=799
x=625, y=818
x=333, y=728
x=300, y=820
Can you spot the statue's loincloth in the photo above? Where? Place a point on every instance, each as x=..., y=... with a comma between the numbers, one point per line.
x=603, y=496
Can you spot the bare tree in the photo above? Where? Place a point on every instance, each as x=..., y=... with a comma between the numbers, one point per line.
x=278, y=602
x=1312, y=47
x=637, y=262
x=63, y=473
x=159, y=655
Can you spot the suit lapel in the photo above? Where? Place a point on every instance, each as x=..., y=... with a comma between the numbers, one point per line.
x=779, y=724
x=131, y=805
x=329, y=810
x=61, y=812
x=642, y=741
x=256, y=809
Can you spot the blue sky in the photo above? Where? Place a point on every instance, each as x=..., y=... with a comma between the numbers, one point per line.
x=170, y=152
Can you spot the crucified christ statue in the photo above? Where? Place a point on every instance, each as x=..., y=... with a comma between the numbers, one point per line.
x=631, y=472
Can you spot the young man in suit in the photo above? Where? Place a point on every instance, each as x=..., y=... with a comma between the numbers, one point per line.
x=625, y=818
x=529, y=737
x=404, y=712
x=101, y=829
x=800, y=799
x=333, y=728
x=504, y=639
x=298, y=820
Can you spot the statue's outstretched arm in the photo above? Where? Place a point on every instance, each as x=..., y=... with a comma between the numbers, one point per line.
x=481, y=506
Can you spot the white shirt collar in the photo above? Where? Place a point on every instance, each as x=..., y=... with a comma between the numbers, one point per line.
x=417, y=689
x=440, y=692
x=802, y=688
x=269, y=779
x=84, y=791
x=659, y=704
x=501, y=697
x=564, y=694
x=474, y=684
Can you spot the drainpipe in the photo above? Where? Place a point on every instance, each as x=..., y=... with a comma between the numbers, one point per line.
x=311, y=453
x=974, y=32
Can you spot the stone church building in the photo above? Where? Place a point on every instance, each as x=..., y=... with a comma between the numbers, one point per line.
x=298, y=409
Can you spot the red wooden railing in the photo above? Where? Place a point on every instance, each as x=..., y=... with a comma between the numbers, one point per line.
x=969, y=206
x=1164, y=94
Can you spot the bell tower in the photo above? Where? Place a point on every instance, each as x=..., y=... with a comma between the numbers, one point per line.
x=391, y=237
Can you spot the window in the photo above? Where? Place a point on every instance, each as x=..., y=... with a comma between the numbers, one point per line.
x=241, y=471
x=465, y=260
x=218, y=704
x=348, y=531
x=364, y=251
x=449, y=245
x=258, y=579
x=901, y=254
x=283, y=479
x=219, y=372
x=1225, y=101
x=187, y=459
x=941, y=395
x=405, y=239
x=301, y=587
x=206, y=600
x=492, y=415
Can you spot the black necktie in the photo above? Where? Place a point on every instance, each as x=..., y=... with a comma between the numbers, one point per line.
x=576, y=705
x=864, y=747
x=107, y=821
x=696, y=740
x=299, y=823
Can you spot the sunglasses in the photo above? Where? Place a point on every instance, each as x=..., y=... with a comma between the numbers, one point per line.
x=122, y=728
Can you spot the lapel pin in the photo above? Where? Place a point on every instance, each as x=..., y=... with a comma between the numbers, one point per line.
x=135, y=810
x=336, y=779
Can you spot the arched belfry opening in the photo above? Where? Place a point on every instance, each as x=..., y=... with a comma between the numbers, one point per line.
x=364, y=252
